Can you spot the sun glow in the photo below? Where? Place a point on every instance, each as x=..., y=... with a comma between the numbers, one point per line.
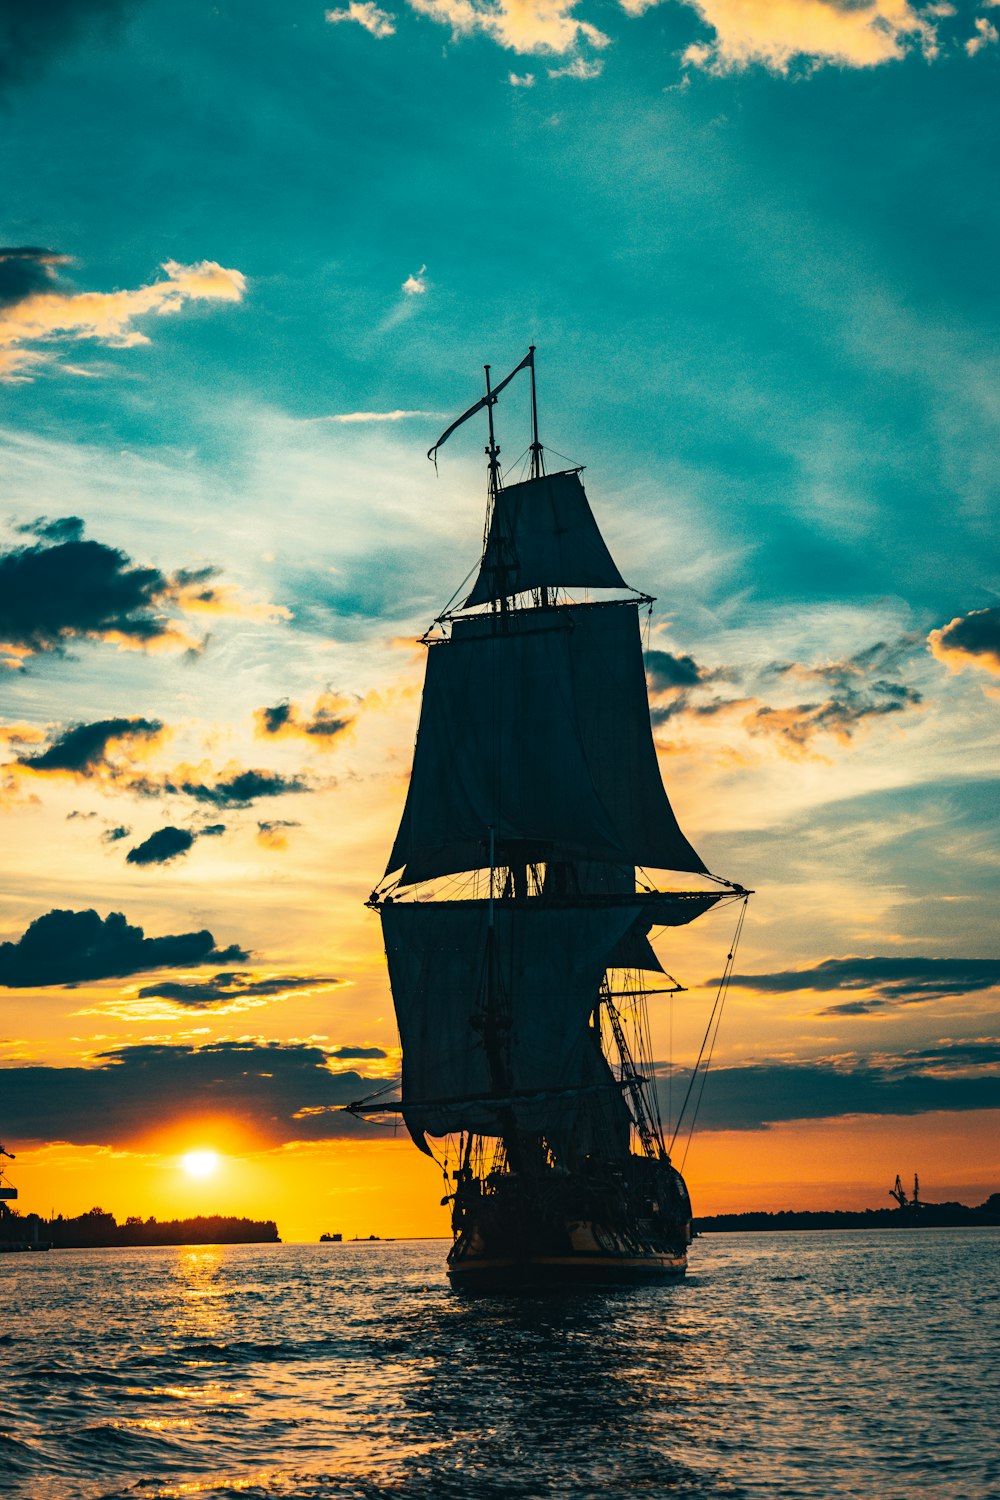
x=200, y=1163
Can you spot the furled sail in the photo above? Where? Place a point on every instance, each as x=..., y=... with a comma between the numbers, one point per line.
x=536, y=724
x=531, y=982
x=543, y=534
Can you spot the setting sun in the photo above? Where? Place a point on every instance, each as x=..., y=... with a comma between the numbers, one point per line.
x=200, y=1163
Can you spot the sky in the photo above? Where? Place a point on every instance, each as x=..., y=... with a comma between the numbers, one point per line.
x=253, y=258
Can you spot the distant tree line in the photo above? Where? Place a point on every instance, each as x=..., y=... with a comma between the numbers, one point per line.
x=96, y=1229
x=919, y=1215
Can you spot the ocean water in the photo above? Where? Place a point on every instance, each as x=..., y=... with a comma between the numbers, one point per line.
x=786, y=1365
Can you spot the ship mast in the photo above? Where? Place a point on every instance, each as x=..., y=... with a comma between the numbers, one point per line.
x=534, y=765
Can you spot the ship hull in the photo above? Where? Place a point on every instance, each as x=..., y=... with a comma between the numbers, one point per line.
x=485, y=1274
x=607, y=1227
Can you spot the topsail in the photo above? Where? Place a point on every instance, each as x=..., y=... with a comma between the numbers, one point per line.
x=535, y=725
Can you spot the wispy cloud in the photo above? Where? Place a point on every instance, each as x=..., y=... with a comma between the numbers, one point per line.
x=521, y=80
x=273, y=833
x=366, y=13
x=856, y=691
x=236, y=989
x=378, y=416
x=520, y=25
x=581, y=68
x=49, y=312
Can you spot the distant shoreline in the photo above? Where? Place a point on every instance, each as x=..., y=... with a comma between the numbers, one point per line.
x=97, y=1230
x=923, y=1216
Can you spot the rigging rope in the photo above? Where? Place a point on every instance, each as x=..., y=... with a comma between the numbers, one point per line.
x=717, y=1008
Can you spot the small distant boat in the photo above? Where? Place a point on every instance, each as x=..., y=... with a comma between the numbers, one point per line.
x=330, y=1239
x=515, y=933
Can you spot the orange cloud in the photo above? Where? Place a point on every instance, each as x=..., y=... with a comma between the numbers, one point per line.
x=366, y=13
x=773, y=33
x=230, y=601
x=971, y=640
x=330, y=717
x=51, y=315
x=520, y=25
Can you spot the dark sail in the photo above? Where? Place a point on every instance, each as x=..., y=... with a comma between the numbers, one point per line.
x=520, y=996
x=536, y=724
x=534, y=975
x=543, y=535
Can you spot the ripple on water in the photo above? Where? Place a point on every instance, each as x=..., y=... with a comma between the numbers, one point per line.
x=809, y=1365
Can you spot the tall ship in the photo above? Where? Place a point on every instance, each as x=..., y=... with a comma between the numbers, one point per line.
x=537, y=851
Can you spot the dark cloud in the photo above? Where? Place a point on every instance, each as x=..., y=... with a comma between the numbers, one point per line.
x=855, y=690
x=273, y=720
x=73, y=947
x=280, y=1091
x=682, y=706
x=114, y=835
x=83, y=748
x=33, y=32
x=764, y=1094
x=24, y=269
x=881, y=658
x=224, y=988
x=63, y=588
x=665, y=670
x=972, y=639
x=62, y=529
x=861, y=687
x=798, y=724
x=359, y=1052
x=329, y=717
x=896, y=980
x=163, y=845
x=212, y=831
x=241, y=789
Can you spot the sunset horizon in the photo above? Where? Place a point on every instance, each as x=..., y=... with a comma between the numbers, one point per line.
x=237, y=306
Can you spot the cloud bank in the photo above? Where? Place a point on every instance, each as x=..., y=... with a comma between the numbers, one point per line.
x=62, y=588
x=293, y=1091
x=760, y=1095
x=892, y=981
x=280, y=1091
x=74, y=947
x=221, y=990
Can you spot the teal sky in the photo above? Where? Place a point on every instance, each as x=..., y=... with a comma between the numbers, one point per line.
x=756, y=246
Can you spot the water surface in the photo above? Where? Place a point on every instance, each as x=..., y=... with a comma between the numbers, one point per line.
x=813, y=1365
